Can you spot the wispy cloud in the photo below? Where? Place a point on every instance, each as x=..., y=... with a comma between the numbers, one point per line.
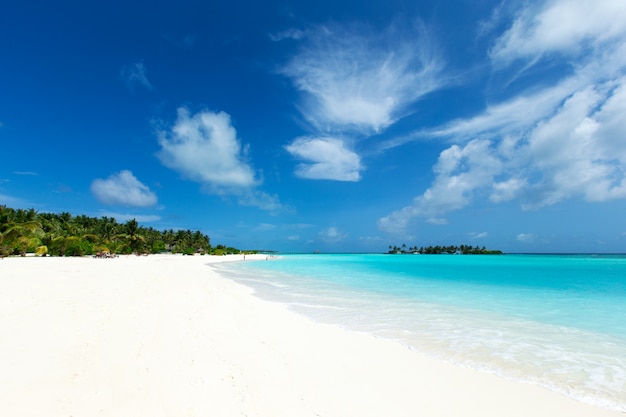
x=437, y=221
x=332, y=235
x=11, y=201
x=326, y=158
x=478, y=235
x=526, y=237
x=204, y=147
x=551, y=143
x=355, y=79
x=264, y=227
x=123, y=189
x=292, y=33
x=31, y=173
x=372, y=240
x=185, y=42
x=257, y=198
x=135, y=75
x=569, y=27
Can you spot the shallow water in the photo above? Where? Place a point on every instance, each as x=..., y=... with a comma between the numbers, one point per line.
x=555, y=320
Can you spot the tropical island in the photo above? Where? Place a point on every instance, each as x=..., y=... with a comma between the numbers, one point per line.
x=443, y=250
x=63, y=234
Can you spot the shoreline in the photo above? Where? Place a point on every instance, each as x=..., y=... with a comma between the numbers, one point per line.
x=166, y=335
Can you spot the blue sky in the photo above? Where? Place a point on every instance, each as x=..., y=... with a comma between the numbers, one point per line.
x=329, y=125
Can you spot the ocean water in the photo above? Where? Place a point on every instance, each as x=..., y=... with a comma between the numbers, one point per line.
x=558, y=321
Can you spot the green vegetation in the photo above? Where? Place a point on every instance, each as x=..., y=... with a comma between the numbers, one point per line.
x=26, y=231
x=438, y=250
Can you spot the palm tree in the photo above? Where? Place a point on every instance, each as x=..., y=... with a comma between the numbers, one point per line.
x=200, y=242
x=23, y=235
x=133, y=238
x=169, y=237
x=182, y=241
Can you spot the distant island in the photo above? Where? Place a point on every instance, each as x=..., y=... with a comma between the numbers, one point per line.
x=443, y=250
x=62, y=234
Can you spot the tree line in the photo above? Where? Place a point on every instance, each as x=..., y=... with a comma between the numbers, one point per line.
x=63, y=234
x=438, y=250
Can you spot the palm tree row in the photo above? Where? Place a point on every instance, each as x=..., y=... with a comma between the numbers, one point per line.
x=438, y=250
x=26, y=231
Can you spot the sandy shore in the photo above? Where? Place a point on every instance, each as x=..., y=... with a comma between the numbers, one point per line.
x=167, y=336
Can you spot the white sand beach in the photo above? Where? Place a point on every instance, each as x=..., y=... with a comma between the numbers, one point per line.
x=165, y=335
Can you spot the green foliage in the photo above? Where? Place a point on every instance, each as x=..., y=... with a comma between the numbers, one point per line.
x=221, y=250
x=61, y=234
x=439, y=250
x=157, y=246
x=78, y=247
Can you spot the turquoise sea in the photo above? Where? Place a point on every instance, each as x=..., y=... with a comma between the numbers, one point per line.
x=554, y=320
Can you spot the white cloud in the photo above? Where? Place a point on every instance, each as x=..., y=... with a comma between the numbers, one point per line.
x=332, y=234
x=577, y=150
x=506, y=190
x=526, y=237
x=573, y=160
x=10, y=201
x=204, y=148
x=294, y=34
x=185, y=42
x=460, y=172
x=135, y=74
x=264, y=227
x=123, y=189
x=516, y=115
x=437, y=221
x=476, y=235
x=362, y=81
x=553, y=143
x=371, y=240
x=565, y=26
x=326, y=158
x=262, y=200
